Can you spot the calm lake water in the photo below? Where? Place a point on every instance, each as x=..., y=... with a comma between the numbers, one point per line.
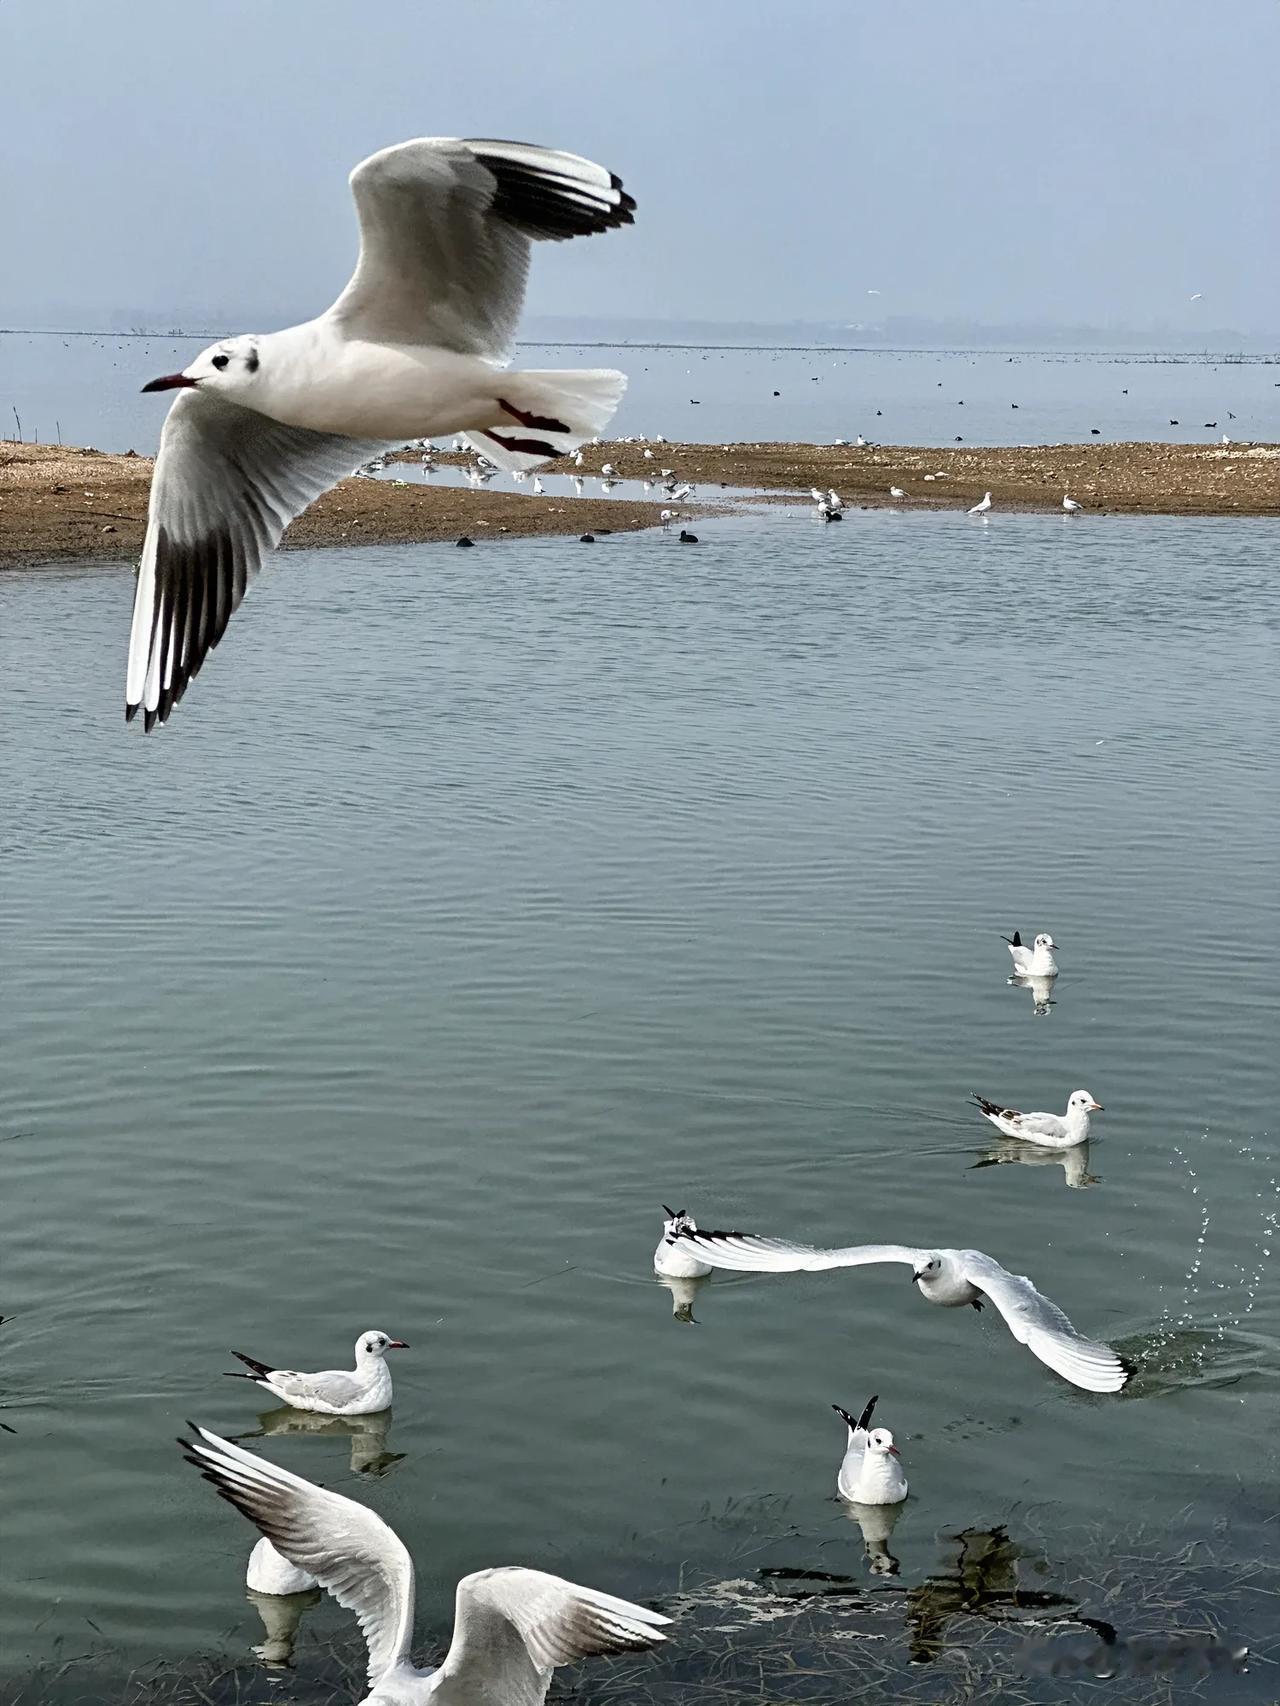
x=472, y=905
x=87, y=390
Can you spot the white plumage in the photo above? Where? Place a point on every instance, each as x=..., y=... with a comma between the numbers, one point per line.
x=512, y=1626
x=947, y=1277
x=1054, y=1131
x=871, y=1471
x=333, y=1391
x=416, y=346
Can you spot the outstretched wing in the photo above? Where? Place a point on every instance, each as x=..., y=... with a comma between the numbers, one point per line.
x=777, y=1256
x=445, y=230
x=1045, y=1330
x=513, y=1626
x=227, y=483
x=348, y=1549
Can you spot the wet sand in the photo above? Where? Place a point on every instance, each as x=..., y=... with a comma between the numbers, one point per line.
x=1113, y=479
x=60, y=503
x=57, y=504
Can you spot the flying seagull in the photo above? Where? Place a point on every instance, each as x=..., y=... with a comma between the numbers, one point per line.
x=947, y=1277
x=415, y=347
x=511, y=1626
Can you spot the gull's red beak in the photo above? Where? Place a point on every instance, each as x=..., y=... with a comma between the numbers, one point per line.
x=170, y=382
x=392, y=1344
x=893, y=1451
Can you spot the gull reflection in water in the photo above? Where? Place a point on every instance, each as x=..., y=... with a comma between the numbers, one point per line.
x=281, y=1594
x=1041, y=992
x=684, y=1292
x=984, y=1580
x=877, y=1523
x=368, y=1434
x=1074, y=1162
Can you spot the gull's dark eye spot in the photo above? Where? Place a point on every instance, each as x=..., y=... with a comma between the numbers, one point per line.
x=221, y=361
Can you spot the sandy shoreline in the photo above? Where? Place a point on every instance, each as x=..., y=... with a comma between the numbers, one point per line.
x=58, y=504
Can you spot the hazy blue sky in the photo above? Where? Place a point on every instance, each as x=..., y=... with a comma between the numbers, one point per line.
x=1072, y=160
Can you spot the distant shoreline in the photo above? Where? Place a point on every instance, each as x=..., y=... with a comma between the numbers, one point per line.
x=59, y=504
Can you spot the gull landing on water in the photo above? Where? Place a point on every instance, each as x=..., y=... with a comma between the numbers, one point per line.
x=951, y=1278
x=333, y=1392
x=511, y=1626
x=415, y=347
x=1053, y=1131
x=870, y=1472
x=1035, y=961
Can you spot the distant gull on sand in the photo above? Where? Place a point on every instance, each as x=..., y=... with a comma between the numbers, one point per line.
x=982, y=508
x=896, y=492
x=411, y=349
x=1069, y=504
x=511, y=1626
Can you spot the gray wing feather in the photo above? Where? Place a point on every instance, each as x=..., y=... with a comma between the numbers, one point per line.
x=513, y=1626
x=1044, y=1328
x=745, y=1251
x=348, y=1549
x=445, y=233
x=227, y=483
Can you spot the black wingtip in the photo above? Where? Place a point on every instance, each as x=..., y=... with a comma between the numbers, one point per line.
x=149, y=721
x=130, y=711
x=864, y=1420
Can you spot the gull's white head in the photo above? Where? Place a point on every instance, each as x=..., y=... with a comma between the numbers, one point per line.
x=1081, y=1102
x=1045, y=942
x=929, y=1269
x=376, y=1344
x=677, y=1221
x=881, y=1440
x=229, y=367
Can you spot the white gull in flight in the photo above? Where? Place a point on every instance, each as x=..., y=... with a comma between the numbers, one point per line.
x=416, y=346
x=948, y=1277
x=511, y=1626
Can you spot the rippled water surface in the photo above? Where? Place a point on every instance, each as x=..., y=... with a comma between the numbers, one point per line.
x=475, y=903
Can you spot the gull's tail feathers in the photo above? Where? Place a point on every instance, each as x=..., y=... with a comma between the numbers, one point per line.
x=988, y=1108
x=548, y=414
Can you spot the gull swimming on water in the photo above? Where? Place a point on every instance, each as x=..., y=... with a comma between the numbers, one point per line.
x=511, y=1626
x=333, y=1392
x=415, y=347
x=1053, y=1131
x=947, y=1277
x=1035, y=961
x=672, y=1258
x=870, y=1471
x=269, y=1571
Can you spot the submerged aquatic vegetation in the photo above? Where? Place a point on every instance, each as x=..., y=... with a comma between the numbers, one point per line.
x=996, y=1619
